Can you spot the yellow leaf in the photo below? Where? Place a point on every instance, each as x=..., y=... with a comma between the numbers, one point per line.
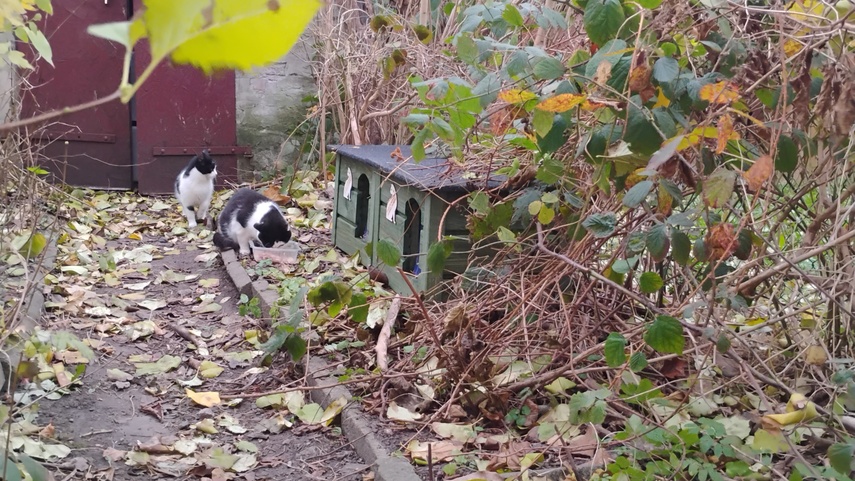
x=209, y=369
x=661, y=99
x=135, y=236
x=695, y=136
x=792, y=47
x=798, y=409
x=561, y=103
x=816, y=355
x=227, y=33
x=333, y=410
x=807, y=10
x=516, y=96
x=207, y=399
x=722, y=92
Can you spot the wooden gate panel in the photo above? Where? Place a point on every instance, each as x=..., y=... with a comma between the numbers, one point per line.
x=181, y=111
x=98, y=149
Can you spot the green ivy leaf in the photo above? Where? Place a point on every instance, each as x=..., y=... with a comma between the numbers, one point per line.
x=650, y=4
x=719, y=187
x=657, y=242
x=637, y=193
x=35, y=469
x=744, y=243
x=545, y=215
x=615, y=349
x=637, y=361
x=650, y=282
x=41, y=44
x=467, y=49
x=542, y=121
x=556, y=137
x=722, y=344
x=787, y=157
x=665, y=335
x=388, y=252
x=480, y=202
x=437, y=255
x=512, y=15
x=550, y=170
x=840, y=455
x=600, y=225
x=699, y=249
x=12, y=473
x=358, y=307
x=665, y=69
x=296, y=346
x=34, y=246
x=681, y=247
x=603, y=19
x=548, y=68
x=418, y=146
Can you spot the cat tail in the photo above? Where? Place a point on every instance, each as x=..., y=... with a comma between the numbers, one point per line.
x=224, y=243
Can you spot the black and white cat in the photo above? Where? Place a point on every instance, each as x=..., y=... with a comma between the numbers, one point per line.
x=194, y=187
x=249, y=218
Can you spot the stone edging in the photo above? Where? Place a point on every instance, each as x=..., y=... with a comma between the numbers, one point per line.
x=354, y=424
x=29, y=318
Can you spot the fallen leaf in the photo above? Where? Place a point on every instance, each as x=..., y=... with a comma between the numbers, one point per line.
x=439, y=450
x=464, y=433
x=398, y=413
x=207, y=257
x=310, y=413
x=137, y=286
x=161, y=366
x=275, y=195
x=152, y=304
x=209, y=369
x=207, y=398
x=206, y=426
x=208, y=283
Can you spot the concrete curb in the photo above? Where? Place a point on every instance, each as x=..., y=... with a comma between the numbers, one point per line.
x=31, y=314
x=354, y=424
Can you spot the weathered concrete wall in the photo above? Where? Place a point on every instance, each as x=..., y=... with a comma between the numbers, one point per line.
x=270, y=107
x=7, y=77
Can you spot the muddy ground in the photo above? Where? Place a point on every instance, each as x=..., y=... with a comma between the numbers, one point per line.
x=106, y=415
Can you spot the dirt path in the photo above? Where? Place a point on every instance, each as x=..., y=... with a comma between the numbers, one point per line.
x=124, y=424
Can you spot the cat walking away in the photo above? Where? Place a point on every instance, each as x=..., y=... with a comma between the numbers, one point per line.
x=194, y=187
x=249, y=218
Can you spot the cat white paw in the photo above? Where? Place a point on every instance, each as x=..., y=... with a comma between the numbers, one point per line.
x=192, y=223
x=244, y=252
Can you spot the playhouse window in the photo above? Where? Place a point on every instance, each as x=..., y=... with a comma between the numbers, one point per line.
x=363, y=190
x=412, y=236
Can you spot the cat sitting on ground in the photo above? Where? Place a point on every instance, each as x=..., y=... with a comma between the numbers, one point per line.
x=194, y=187
x=249, y=218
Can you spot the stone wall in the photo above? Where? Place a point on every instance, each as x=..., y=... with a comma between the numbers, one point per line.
x=270, y=106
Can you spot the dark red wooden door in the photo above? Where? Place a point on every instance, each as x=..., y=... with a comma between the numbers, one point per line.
x=98, y=153
x=181, y=111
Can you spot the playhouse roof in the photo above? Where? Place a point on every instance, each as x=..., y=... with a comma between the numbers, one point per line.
x=431, y=174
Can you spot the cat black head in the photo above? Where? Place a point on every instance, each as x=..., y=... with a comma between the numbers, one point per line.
x=273, y=228
x=204, y=163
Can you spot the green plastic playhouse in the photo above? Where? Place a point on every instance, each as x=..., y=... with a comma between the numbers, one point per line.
x=380, y=196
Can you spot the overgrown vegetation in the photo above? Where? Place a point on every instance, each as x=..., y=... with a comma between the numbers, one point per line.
x=676, y=217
